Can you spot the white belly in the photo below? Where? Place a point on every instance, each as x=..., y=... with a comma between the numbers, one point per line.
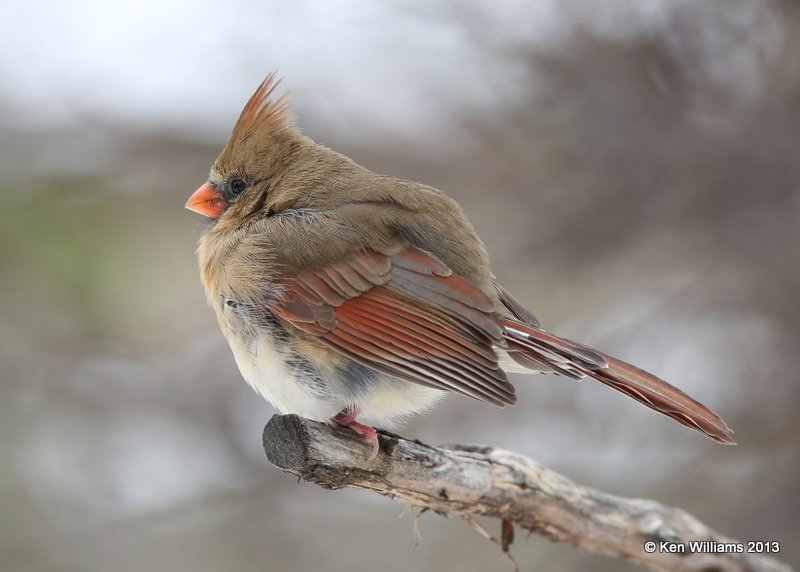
x=385, y=401
x=266, y=371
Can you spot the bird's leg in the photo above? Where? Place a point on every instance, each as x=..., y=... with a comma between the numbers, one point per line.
x=347, y=418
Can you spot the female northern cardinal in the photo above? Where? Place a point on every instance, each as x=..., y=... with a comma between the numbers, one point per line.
x=346, y=293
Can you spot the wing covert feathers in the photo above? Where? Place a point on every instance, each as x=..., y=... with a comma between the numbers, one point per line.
x=404, y=313
x=401, y=311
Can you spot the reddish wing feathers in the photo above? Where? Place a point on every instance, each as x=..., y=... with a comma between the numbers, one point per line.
x=515, y=307
x=403, y=313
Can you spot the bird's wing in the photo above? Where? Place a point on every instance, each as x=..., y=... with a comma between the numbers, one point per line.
x=401, y=311
x=515, y=306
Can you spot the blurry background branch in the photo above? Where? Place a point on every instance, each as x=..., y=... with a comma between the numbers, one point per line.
x=483, y=481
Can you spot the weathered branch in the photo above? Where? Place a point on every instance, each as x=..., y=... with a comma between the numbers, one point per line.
x=491, y=482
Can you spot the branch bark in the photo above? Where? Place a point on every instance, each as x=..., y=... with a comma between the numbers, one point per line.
x=481, y=481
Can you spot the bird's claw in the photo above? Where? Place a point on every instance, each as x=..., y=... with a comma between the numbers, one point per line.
x=347, y=418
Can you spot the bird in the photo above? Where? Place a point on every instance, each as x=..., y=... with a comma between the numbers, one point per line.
x=347, y=295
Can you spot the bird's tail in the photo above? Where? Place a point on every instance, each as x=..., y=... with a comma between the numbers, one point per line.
x=537, y=349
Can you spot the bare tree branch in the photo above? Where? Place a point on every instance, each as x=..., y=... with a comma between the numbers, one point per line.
x=482, y=481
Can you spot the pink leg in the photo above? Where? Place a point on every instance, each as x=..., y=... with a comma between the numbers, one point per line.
x=347, y=418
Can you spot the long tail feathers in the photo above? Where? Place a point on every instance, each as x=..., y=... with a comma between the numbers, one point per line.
x=532, y=347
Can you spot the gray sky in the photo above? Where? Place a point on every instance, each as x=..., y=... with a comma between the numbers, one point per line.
x=190, y=64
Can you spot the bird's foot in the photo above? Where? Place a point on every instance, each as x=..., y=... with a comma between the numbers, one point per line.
x=347, y=418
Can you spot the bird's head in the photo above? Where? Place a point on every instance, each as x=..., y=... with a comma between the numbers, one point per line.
x=262, y=143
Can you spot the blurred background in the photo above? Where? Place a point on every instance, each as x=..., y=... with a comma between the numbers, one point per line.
x=632, y=167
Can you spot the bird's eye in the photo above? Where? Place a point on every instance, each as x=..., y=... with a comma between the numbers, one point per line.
x=237, y=186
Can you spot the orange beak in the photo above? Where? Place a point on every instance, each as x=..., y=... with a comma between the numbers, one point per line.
x=206, y=201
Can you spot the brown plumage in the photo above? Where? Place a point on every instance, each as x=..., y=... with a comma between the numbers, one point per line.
x=346, y=293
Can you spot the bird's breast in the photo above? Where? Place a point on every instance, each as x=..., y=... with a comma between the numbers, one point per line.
x=300, y=375
x=272, y=364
